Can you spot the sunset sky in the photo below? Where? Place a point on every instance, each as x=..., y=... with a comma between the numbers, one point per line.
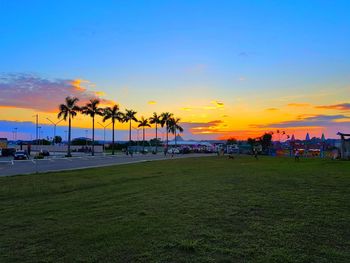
x=226, y=68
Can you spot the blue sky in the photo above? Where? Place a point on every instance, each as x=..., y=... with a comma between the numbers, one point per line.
x=250, y=55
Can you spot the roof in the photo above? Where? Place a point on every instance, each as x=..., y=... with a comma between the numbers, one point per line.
x=343, y=134
x=192, y=143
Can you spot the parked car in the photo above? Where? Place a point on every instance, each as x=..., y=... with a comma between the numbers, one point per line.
x=174, y=151
x=21, y=155
x=45, y=153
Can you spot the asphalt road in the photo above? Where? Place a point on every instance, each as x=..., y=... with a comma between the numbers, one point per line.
x=11, y=167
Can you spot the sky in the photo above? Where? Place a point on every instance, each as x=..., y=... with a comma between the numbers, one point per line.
x=226, y=68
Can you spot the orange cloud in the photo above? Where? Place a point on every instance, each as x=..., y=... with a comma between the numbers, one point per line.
x=77, y=84
x=342, y=106
x=32, y=92
x=218, y=104
x=271, y=109
x=152, y=102
x=298, y=104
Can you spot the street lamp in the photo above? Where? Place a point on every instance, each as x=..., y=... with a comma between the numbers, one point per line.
x=54, y=128
x=86, y=137
x=39, y=132
x=104, y=134
x=15, y=134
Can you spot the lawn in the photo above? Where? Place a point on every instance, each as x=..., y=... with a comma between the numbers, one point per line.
x=190, y=210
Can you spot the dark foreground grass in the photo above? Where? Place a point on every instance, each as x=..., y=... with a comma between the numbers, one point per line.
x=189, y=210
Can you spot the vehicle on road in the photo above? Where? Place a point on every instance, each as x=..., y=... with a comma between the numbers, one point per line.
x=21, y=155
x=174, y=151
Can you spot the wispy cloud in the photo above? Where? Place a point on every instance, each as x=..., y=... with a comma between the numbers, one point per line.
x=342, y=107
x=33, y=92
x=218, y=104
x=271, y=109
x=214, y=104
x=298, y=104
x=306, y=121
x=151, y=102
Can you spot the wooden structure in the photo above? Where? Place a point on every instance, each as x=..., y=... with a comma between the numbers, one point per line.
x=344, y=146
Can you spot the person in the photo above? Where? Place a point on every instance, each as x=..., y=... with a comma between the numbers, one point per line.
x=255, y=154
x=296, y=156
x=165, y=150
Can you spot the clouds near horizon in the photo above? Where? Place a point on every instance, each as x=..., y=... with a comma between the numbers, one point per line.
x=30, y=91
x=306, y=121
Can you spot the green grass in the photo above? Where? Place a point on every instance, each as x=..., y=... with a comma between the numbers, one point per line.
x=190, y=210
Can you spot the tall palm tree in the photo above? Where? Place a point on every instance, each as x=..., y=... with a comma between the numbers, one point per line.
x=69, y=110
x=91, y=109
x=155, y=119
x=175, y=126
x=165, y=120
x=129, y=116
x=113, y=114
x=143, y=123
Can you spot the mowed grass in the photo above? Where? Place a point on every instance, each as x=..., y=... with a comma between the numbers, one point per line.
x=190, y=210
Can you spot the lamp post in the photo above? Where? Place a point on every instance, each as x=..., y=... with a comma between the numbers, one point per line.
x=86, y=137
x=104, y=134
x=54, y=128
x=15, y=134
x=36, y=138
x=39, y=132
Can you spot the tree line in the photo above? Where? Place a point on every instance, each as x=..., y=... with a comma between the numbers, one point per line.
x=70, y=108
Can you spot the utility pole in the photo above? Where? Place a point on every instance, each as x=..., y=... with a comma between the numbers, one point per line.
x=104, y=134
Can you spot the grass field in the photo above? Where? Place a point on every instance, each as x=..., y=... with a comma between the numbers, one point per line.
x=189, y=210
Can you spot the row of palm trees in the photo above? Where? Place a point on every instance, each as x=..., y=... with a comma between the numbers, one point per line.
x=69, y=109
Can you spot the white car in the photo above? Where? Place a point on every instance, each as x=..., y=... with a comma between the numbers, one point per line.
x=174, y=151
x=21, y=155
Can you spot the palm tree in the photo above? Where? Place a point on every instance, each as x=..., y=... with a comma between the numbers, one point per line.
x=155, y=119
x=91, y=108
x=165, y=120
x=174, y=126
x=114, y=114
x=143, y=123
x=69, y=110
x=129, y=116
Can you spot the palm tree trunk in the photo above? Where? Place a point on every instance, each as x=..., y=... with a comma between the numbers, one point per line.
x=69, y=135
x=113, y=137
x=175, y=138
x=129, y=131
x=167, y=136
x=93, y=136
x=143, y=142
x=156, y=137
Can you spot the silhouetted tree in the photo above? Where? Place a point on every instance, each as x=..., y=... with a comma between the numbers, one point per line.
x=155, y=119
x=143, y=123
x=113, y=114
x=69, y=110
x=129, y=116
x=165, y=121
x=91, y=109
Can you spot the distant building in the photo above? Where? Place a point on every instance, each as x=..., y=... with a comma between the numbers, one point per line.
x=3, y=143
x=344, y=145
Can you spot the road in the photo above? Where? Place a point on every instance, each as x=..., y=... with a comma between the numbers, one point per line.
x=10, y=167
